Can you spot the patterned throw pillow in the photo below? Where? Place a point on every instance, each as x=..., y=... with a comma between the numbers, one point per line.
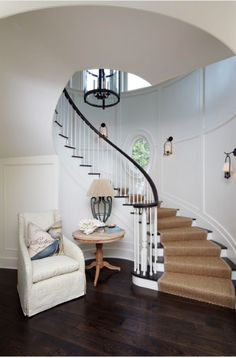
x=56, y=233
x=43, y=244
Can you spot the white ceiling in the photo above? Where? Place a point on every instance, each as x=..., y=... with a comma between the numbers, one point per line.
x=40, y=50
x=216, y=17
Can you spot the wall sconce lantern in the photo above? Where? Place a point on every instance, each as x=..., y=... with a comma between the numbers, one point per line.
x=103, y=130
x=168, y=146
x=227, y=164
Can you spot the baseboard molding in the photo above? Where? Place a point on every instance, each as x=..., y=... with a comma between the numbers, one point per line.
x=8, y=262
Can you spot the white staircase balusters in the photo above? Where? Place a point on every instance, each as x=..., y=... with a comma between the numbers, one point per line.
x=69, y=140
x=155, y=239
x=84, y=146
x=150, y=242
x=73, y=134
x=144, y=243
x=80, y=137
x=63, y=113
x=135, y=240
x=138, y=241
x=92, y=148
x=67, y=119
x=75, y=122
x=112, y=163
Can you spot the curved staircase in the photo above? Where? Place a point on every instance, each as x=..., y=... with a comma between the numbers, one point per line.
x=170, y=254
x=193, y=267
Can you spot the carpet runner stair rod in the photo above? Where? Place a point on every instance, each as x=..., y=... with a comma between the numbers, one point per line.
x=104, y=159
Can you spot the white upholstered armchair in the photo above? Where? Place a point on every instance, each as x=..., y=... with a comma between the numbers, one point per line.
x=47, y=282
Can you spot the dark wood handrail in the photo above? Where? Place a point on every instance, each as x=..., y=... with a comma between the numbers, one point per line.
x=145, y=174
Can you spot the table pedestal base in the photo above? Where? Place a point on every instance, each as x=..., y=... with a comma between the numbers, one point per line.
x=99, y=263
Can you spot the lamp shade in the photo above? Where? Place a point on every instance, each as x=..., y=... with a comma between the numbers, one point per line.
x=100, y=188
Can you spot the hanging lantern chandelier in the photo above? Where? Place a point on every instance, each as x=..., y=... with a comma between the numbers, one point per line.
x=101, y=87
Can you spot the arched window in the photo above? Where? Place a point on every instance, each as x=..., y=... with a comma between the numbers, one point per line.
x=141, y=151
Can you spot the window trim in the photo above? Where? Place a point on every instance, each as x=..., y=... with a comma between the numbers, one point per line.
x=128, y=147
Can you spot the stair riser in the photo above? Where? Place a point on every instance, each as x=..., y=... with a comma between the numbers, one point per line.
x=162, y=215
x=177, y=224
x=195, y=270
x=184, y=292
x=155, y=286
x=160, y=253
x=183, y=237
x=209, y=237
x=146, y=283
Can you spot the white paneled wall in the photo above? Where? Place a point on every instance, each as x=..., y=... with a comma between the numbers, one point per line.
x=28, y=184
x=199, y=112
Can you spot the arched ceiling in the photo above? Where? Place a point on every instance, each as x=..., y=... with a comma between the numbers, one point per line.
x=40, y=50
x=216, y=17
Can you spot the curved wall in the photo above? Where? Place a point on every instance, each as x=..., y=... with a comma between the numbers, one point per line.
x=198, y=110
x=41, y=49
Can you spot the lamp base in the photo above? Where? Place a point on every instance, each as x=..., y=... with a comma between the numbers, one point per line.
x=101, y=207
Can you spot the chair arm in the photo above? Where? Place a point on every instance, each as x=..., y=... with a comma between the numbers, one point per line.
x=24, y=275
x=73, y=251
x=24, y=261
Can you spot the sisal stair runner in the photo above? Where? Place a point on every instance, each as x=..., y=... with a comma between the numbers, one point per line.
x=192, y=265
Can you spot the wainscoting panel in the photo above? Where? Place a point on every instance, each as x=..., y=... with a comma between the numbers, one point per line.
x=28, y=184
x=178, y=180
x=199, y=111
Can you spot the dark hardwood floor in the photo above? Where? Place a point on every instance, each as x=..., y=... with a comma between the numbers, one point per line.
x=116, y=318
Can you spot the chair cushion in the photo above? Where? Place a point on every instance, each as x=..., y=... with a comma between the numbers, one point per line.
x=53, y=266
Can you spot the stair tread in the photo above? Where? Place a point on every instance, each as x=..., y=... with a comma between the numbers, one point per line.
x=69, y=146
x=219, y=244
x=213, y=290
x=63, y=136
x=199, y=265
x=175, y=218
x=206, y=244
x=191, y=248
x=230, y=263
x=121, y=196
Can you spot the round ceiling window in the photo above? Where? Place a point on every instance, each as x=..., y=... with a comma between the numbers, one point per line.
x=141, y=152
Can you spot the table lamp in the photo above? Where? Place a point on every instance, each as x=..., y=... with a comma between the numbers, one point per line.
x=101, y=193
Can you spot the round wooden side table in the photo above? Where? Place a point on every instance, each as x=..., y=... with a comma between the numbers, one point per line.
x=103, y=236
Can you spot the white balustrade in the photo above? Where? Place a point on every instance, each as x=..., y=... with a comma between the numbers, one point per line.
x=144, y=243
x=111, y=164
